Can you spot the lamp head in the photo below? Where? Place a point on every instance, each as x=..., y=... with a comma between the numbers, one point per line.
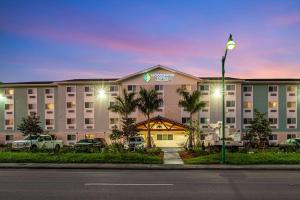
x=230, y=43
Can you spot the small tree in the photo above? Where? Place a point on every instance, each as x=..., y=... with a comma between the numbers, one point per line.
x=30, y=126
x=116, y=135
x=259, y=129
x=128, y=127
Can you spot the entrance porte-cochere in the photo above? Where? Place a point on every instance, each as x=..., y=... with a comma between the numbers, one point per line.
x=164, y=132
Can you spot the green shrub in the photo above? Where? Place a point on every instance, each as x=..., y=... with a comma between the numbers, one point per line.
x=105, y=157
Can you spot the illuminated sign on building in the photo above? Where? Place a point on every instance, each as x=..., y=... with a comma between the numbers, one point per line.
x=158, y=77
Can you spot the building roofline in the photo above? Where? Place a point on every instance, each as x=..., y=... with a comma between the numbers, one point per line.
x=153, y=68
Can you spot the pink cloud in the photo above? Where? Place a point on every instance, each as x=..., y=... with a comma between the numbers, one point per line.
x=286, y=20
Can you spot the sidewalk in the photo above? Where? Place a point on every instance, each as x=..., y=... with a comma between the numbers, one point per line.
x=171, y=156
x=145, y=166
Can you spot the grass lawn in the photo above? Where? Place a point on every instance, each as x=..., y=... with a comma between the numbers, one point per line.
x=107, y=157
x=248, y=159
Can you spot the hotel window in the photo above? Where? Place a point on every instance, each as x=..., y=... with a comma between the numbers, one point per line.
x=230, y=87
x=230, y=103
x=30, y=91
x=291, y=88
x=247, y=120
x=164, y=136
x=291, y=104
x=204, y=120
x=113, y=88
x=88, y=89
x=49, y=106
x=71, y=104
x=89, y=104
x=9, y=137
x=8, y=91
x=247, y=104
x=131, y=88
x=49, y=91
x=112, y=103
x=230, y=120
x=206, y=104
x=70, y=120
x=113, y=120
x=89, y=120
x=273, y=137
x=291, y=136
x=272, y=104
x=8, y=106
x=187, y=87
x=71, y=137
x=204, y=87
x=159, y=87
x=273, y=88
x=70, y=89
x=291, y=120
x=247, y=88
x=49, y=122
x=9, y=122
x=273, y=120
x=185, y=120
x=31, y=106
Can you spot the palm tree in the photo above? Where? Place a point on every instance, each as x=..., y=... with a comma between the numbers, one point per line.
x=125, y=106
x=192, y=104
x=149, y=102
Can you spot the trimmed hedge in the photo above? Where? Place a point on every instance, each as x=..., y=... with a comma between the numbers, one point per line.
x=248, y=158
x=105, y=157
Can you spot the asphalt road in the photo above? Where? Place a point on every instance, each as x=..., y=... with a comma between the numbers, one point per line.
x=153, y=184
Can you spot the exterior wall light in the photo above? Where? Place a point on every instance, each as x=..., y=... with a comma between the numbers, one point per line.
x=2, y=97
x=217, y=92
x=101, y=93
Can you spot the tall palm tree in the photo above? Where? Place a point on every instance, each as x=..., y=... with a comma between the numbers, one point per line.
x=192, y=104
x=149, y=102
x=125, y=106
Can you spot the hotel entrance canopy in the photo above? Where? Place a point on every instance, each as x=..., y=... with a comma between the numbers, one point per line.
x=160, y=123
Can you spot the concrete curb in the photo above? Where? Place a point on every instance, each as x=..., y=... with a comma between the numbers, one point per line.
x=144, y=166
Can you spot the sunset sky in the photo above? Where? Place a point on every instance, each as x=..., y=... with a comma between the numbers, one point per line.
x=57, y=40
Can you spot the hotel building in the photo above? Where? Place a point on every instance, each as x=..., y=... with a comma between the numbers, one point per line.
x=74, y=109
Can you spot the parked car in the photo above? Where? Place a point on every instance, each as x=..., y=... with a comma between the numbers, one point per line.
x=87, y=144
x=133, y=143
x=293, y=142
x=37, y=142
x=290, y=144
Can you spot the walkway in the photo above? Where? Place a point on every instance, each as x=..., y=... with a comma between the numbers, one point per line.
x=171, y=156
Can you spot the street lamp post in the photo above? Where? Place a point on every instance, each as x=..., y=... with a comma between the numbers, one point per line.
x=229, y=46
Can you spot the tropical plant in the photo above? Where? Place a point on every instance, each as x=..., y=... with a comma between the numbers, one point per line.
x=30, y=125
x=149, y=102
x=191, y=103
x=259, y=130
x=125, y=106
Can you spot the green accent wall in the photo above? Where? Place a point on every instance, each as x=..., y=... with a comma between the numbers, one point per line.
x=2, y=102
x=260, y=98
x=41, y=106
x=20, y=105
x=282, y=109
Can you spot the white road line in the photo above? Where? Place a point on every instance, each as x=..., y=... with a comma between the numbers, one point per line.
x=128, y=184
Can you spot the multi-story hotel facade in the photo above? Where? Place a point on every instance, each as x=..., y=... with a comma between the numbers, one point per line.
x=74, y=109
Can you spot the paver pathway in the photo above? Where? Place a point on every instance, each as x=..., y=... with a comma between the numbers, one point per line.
x=171, y=156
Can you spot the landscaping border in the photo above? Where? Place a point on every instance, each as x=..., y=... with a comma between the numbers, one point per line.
x=144, y=166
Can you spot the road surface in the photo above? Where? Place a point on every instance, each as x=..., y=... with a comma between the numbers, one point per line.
x=152, y=184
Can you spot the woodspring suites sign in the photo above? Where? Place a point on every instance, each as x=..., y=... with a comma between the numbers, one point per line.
x=158, y=77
